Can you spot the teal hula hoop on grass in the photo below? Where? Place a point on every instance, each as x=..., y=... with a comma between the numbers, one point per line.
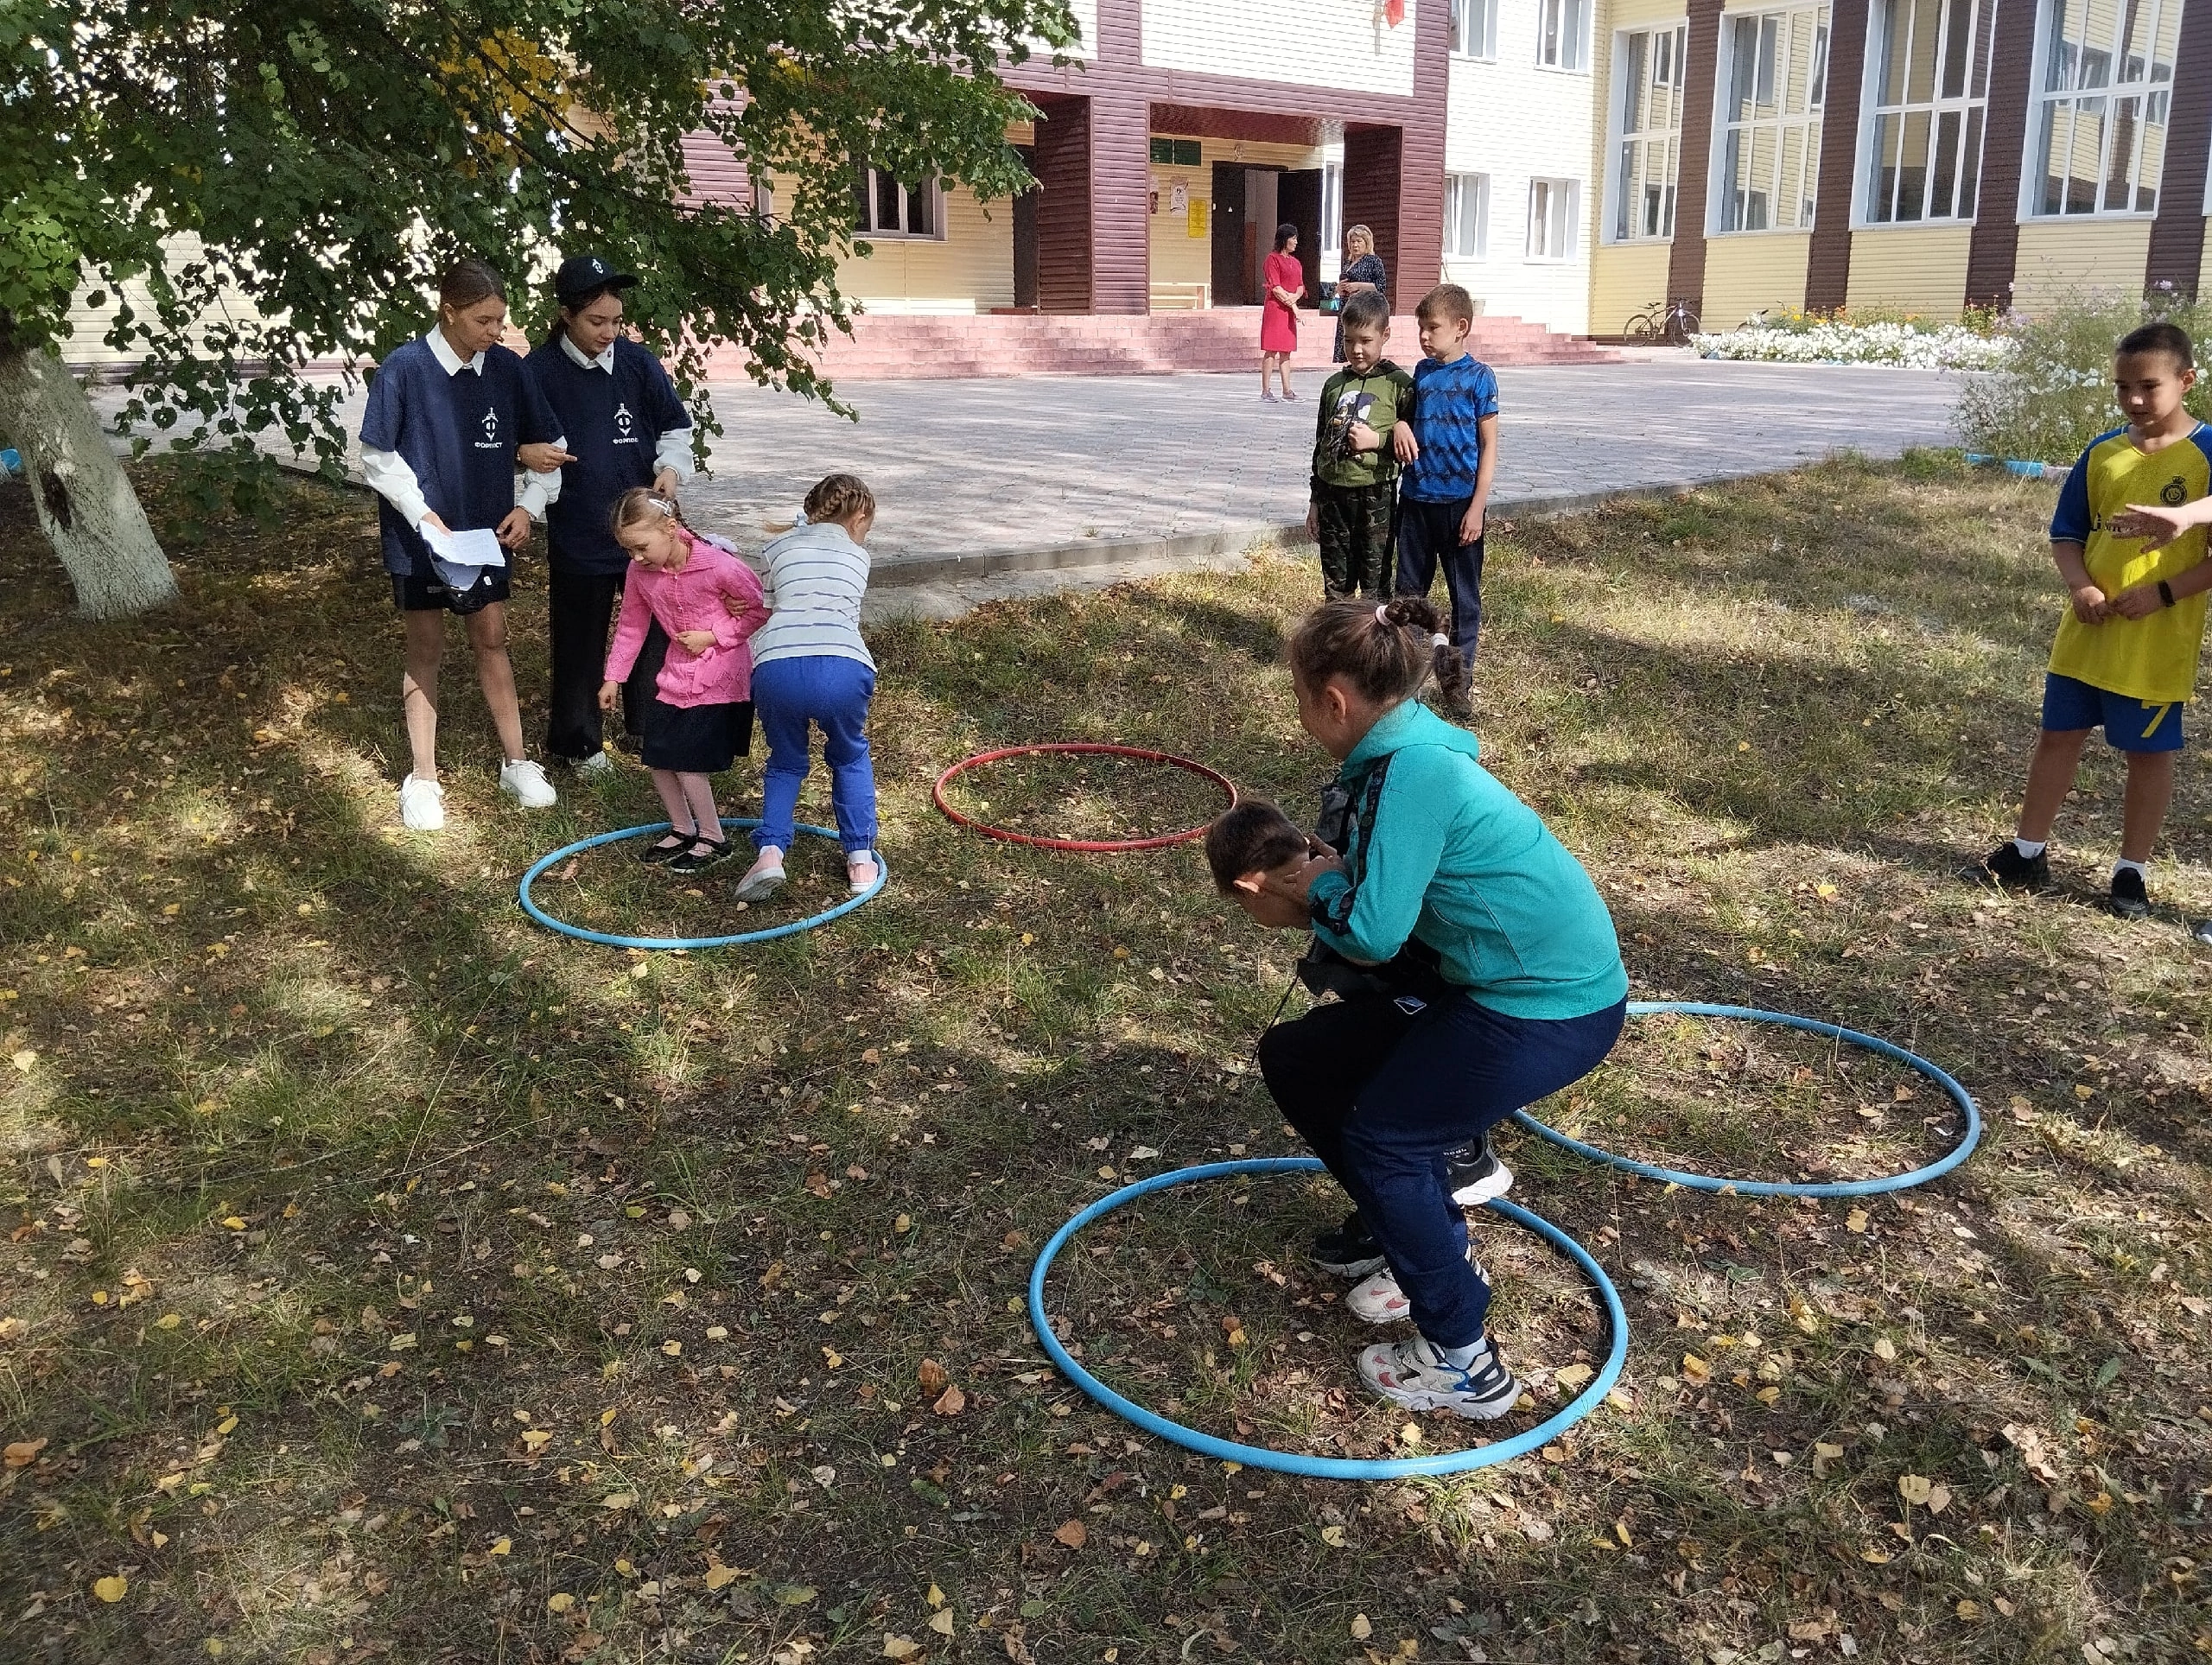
x=1328, y=1468
x=1920, y=1176
x=611, y=940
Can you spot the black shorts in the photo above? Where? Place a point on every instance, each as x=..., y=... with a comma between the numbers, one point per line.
x=422, y=591
x=695, y=740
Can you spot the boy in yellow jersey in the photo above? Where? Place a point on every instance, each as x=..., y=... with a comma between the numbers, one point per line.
x=2125, y=659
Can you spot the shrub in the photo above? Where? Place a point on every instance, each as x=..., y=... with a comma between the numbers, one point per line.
x=1805, y=341
x=2052, y=393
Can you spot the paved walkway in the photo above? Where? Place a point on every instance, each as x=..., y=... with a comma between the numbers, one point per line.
x=968, y=469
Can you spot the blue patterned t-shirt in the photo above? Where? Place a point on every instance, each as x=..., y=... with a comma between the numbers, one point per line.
x=1448, y=400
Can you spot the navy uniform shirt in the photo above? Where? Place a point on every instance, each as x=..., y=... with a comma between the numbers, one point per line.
x=458, y=432
x=614, y=423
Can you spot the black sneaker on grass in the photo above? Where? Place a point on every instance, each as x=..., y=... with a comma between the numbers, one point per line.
x=2129, y=901
x=2006, y=868
x=1476, y=1175
x=1349, y=1251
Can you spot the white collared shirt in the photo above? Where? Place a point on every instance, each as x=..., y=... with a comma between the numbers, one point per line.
x=672, y=450
x=390, y=479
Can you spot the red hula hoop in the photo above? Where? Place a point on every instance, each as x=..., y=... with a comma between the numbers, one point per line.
x=1090, y=845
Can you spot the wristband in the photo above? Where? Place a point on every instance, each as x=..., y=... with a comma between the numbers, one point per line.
x=2165, y=592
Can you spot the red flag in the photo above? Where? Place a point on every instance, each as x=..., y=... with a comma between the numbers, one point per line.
x=1394, y=12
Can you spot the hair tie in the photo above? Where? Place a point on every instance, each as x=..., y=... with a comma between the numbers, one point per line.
x=1382, y=615
x=1440, y=640
x=664, y=506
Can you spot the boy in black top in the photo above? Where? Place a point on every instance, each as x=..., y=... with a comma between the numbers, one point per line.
x=1355, y=473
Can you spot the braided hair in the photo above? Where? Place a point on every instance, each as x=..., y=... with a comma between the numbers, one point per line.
x=1383, y=653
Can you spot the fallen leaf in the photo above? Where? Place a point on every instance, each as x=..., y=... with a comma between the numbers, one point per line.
x=112, y=1588
x=1072, y=1533
x=932, y=1376
x=24, y=1452
x=1361, y=1630
x=951, y=1402
x=503, y=1546
x=936, y=1596
x=24, y=1059
x=795, y=1595
x=1695, y=1369
x=899, y=1647
x=941, y=1621
x=1884, y=1349
x=559, y=1602
x=1856, y=1220
x=1915, y=1489
x=1572, y=1375
x=719, y=1575
x=1333, y=1536
x=535, y=1440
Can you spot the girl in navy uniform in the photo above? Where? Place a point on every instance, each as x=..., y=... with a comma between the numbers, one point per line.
x=449, y=417
x=624, y=427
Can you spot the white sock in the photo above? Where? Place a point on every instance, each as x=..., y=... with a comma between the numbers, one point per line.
x=2030, y=848
x=2125, y=866
x=1458, y=1357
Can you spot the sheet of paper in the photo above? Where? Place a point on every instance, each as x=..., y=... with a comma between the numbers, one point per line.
x=479, y=548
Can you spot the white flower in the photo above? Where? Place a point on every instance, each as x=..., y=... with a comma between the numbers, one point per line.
x=1946, y=346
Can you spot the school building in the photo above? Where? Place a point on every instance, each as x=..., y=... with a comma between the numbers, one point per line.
x=1570, y=162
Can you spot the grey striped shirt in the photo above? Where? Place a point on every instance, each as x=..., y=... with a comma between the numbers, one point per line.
x=815, y=577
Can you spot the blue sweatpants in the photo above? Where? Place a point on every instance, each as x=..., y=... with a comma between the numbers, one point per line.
x=1384, y=1089
x=831, y=692
x=1428, y=537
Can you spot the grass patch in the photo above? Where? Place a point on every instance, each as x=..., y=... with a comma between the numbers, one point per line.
x=387, y=1277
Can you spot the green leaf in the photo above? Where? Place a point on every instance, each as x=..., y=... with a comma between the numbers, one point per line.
x=2106, y=1372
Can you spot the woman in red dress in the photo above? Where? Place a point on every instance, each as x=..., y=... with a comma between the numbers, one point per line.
x=1286, y=281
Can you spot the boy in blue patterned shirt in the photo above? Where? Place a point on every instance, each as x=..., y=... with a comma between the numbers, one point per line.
x=1448, y=442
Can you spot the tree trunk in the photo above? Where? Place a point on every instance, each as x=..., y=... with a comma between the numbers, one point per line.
x=84, y=500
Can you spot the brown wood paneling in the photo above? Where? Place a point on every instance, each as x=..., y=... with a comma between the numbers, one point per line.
x=1828, y=262
x=1063, y=245
x=1685, y=260
x=1994, y=251
x=1374, y=168
x=1261, y=127
x=1419, y=266
x=2177, y=258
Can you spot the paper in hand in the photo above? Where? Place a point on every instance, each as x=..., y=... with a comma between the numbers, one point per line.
x=461, y=559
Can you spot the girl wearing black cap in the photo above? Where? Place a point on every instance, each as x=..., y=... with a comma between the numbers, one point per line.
x=625, y=428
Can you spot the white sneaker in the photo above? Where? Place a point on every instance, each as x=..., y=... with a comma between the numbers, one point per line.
x=596, y=765
x=525, y=783
x=857, y=877
x=1416, y=1374
x=763, y=881
x=421, y=804
x=1378, y=1299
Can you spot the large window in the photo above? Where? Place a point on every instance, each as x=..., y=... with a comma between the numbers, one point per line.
x=1563, y=34
x=2101, y=104
x=1333, y=208
x=1778, y=79
x=1650, y=129
x=885, y=207
x=1551, y=216
x=1466, y=216
x=1931, y=80
x=1474, y=27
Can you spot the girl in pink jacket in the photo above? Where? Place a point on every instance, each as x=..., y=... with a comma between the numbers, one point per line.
x=700, y=717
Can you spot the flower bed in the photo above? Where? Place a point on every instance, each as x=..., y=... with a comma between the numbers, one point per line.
x=1943, y=346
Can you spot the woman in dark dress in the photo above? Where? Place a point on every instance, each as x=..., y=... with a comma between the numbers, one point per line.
x=1363, y=270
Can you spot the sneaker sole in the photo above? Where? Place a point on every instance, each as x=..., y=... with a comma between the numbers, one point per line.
x=759, y=890
x=2127, y=909
x=1359, y=1268
x=1491, y=1185
x=1979, y=874
x=1472, y=1410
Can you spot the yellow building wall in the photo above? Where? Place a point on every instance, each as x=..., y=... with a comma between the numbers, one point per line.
x=2058, y=256
x=969, y=269
x=1624, y=279
x=1750, y=273
x=1921, y=269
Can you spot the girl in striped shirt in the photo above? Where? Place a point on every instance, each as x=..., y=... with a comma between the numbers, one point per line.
x=809, y=666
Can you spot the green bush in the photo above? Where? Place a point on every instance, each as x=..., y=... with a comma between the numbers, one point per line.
x=2054, y=394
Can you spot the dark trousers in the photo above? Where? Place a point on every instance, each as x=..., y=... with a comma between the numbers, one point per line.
x=1355, y=538
x=580, y=608
x=1428, y=537
x=1383, y=1094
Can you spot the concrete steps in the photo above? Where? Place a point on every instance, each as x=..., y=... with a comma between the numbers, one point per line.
x=905, y=347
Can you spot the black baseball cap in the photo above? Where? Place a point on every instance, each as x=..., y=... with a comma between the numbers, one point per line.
x=588, y=273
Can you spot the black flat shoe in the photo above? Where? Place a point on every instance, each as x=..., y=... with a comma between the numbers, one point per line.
x=703, y=853
x=661, y=850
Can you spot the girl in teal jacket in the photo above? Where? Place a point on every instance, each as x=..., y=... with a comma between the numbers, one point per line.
x=1497, y=980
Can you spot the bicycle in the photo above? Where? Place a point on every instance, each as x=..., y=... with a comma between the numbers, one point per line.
x=1671, y=322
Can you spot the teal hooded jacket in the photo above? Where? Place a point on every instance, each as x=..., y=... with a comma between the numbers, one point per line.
x=1437, y=850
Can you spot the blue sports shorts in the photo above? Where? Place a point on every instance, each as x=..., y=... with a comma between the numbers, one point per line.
x=2130, y=725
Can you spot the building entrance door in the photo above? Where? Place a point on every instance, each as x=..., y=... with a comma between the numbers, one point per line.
x=1025, y=235
x=1298, y=200
x=1232, y=284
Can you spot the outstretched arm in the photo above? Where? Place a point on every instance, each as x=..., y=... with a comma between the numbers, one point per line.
x=2158, y=524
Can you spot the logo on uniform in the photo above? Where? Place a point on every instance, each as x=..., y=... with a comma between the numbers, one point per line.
x=491, y=439
x=2175, y=493
x=624, y=421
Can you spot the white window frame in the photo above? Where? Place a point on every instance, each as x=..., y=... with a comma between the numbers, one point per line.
x=1554, y=234
x=868, y=199
x=2067, y=82
x=1456, y=188
x=1730, y=210
x=1563, y=35
x=1332, y=209
x=1949, y=111
x=1670, y=41
x=1474, y=30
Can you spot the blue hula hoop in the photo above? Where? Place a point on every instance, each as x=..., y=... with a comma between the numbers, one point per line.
x=611, y=940
x=1327, y=1468
x=1920, y=1176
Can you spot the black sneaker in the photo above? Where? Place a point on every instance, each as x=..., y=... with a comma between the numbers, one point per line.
x=2129, y=900
x=703, y=854
x=1349, y=1251
x=2006, y=868
x=661, y=851
x=1476, y=1175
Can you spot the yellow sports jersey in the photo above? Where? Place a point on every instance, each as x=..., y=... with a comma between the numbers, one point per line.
x=2153, y=658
